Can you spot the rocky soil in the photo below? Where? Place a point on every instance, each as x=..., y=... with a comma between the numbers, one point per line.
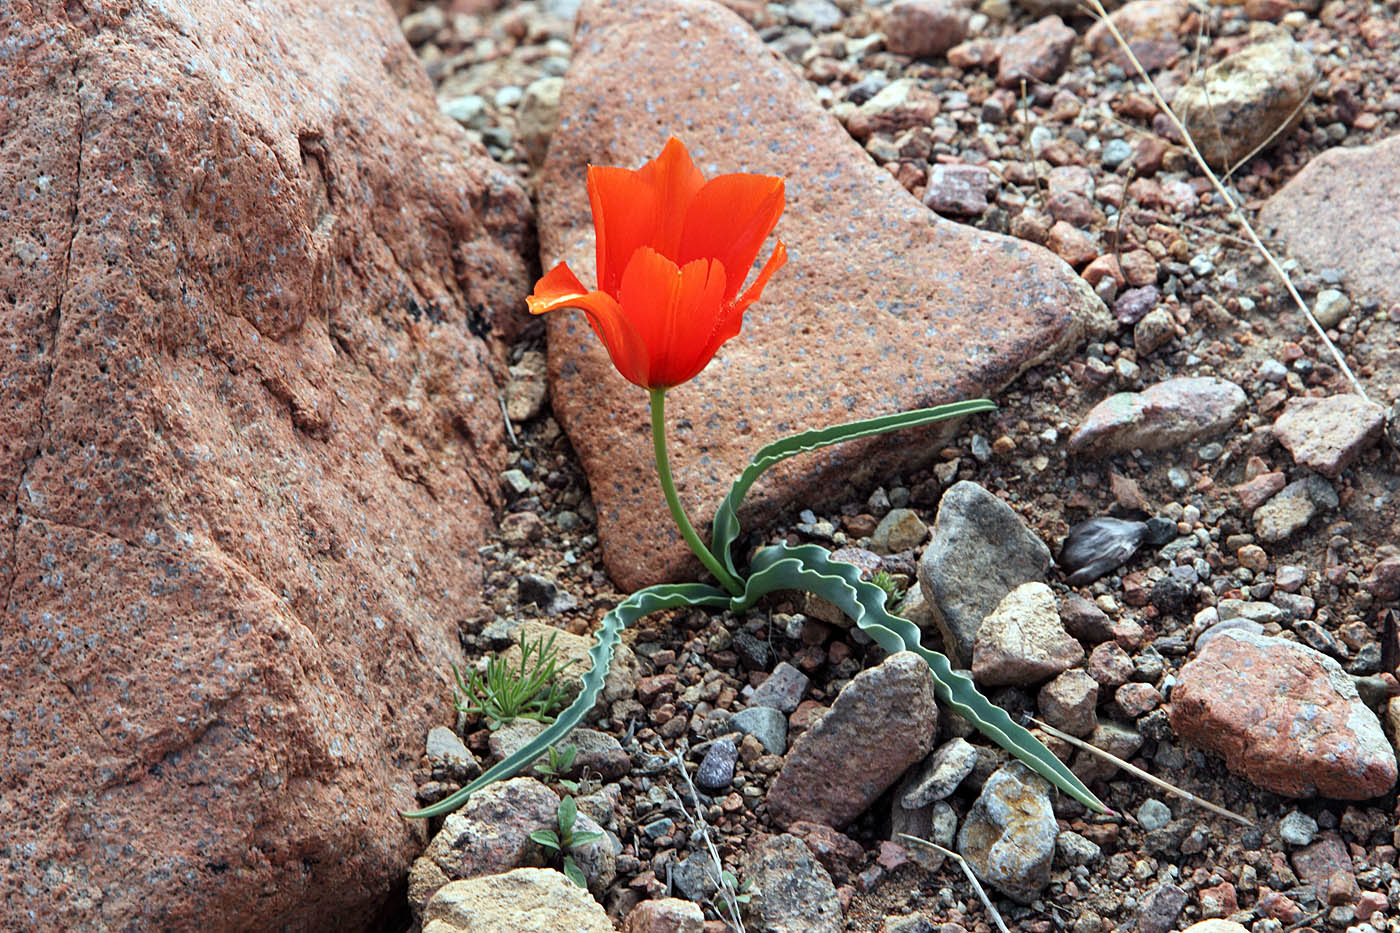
x=1234, y=632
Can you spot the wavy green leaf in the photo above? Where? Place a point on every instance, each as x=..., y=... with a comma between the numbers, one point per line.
x=726, y=524
x=811, y=569
x=639, y=604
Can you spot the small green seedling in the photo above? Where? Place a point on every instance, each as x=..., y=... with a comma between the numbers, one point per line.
x=561, y=760
x=528, y=690
x=566, y=839
x=893, y=591
x=732, y=896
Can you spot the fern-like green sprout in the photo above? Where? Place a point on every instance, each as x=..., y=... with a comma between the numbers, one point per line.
x=529, y=689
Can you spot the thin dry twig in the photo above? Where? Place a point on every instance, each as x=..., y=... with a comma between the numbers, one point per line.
x=726, y=891
x=1096, y=7
x=1138, y=772
x=967, y=870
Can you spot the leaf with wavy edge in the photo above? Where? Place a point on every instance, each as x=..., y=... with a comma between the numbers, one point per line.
x=810, y=568
x=726, y=524
x=641, y=603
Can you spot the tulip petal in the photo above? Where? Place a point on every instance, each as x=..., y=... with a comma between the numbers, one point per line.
x=674, y=311
x=729, y=219
x=732, y=320
x=560, y=288
x=645, y=208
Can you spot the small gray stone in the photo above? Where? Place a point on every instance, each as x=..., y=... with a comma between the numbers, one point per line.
x=957, y=189
x=1074, y=849
x=420, y=26
x=764, y=723
x=446, y=751
x=1330, y=307
x=1158, y=911
x=1153, y=814
x=717, y=767
x=1290, y=510
x=1068, y=702
x=939, y=774
x=1009, y=834
x=816, y=15
x=695, y=877
x=1297, y=828
x=782, y=689
x=979, y=552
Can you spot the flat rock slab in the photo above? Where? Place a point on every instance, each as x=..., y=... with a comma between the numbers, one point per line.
x=1328, y=434
x=1339, y=212
x=882, y=305
x=245, y=432
x=1284, y=716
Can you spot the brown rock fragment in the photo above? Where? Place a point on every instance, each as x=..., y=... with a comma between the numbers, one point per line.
x=1328, y=434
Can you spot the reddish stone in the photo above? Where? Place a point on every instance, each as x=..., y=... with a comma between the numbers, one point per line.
x=1219, y=901
x=665, y=915
x=249, y=442
x=924, y=27
x=1257, y=491
x=1327, y=216
x=1036, y=54
x=1148, y=26
x=837, y=852
x=1328, y=434
x=1277, y=906
x=868, y=316
x=1326, y=866
x=1071, y=244
x=1284, y=716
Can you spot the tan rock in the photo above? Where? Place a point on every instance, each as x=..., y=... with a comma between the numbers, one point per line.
x=882, y=306
x=526, y=900
x=248, y=443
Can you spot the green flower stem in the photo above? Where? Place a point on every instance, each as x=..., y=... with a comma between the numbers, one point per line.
x=663, y=469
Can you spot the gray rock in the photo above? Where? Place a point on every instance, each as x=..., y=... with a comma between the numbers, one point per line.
x=1153, y=814
x=695, y=877
x=1297, y=828
x=958, y=189
x=1250, y=98
x=539, y=590
x=1330, y=307
x=596, y=752
x=1074, y=849
x=420, y=26
x=447, y=753
x=1162, y=416
x=1116, y=739
x=899, y=530
x=1292, y=508
x=764, y=723
x=938, y=775
x=1022, y=642
x=1158, y=911
x=537, y=116
x=1009, y=834
x=782, y=690
x=839, y=766
x=1329, y=434
x=816, y=15
x=793, y=892
x=717, y=767
x=980, y=551
x=937, y=822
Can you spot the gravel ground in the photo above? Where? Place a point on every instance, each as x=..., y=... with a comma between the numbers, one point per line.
x=1077, y=161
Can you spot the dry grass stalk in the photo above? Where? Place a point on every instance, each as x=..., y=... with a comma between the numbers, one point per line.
x=1096, y=8
x=1138, y=772
x=967, y=870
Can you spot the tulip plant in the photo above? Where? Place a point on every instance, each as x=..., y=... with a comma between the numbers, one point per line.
x=672, y=253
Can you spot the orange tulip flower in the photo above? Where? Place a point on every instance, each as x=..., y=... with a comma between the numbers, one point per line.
x=673, y=251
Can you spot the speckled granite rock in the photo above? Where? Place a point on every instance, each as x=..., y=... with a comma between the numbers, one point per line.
x=839, y=766
x=882, y=306
x=1009, y=834
x=1330, y=216
x=1285, y=716
x=246, y=436
x=1170, y=413
x=1328, y=434
x=527, y=900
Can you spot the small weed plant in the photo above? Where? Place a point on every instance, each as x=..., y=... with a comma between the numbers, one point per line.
x=560, y=761
x=893, y=591
x=565, y=839
x=506, y=692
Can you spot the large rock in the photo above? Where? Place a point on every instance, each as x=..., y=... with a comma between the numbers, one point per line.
x=246, y=437
x=1164, y=415
x=1285, y=716
x=882, y=306
x=837, y=768
x=1335, y=214
x=981, y=550
x=1248, y=100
